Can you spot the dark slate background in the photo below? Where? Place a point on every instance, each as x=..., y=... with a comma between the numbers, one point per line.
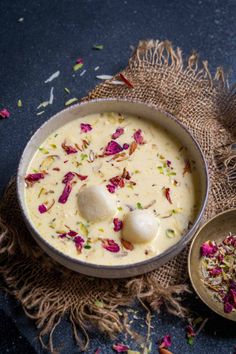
x=51, y=37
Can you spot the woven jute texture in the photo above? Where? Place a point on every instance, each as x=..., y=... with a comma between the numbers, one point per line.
x=47, y=291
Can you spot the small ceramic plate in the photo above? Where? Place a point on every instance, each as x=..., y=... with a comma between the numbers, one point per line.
x=215, y=229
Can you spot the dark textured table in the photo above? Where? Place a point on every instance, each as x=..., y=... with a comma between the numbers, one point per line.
x=51, y=36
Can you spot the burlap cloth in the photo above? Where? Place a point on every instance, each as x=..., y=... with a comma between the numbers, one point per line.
x=47, y=291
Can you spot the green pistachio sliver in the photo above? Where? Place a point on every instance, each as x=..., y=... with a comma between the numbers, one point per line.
x=83, y=229
x=170, y=233
x=83, y=157
x=139, y=205
x=43, y=150
x=78, y=66
x=70, y=101
x=98, y=46
x=160, y=168
x=176, y=211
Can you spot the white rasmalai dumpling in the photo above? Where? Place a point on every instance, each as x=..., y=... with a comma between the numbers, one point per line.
x=96, y=203
x=140, y=226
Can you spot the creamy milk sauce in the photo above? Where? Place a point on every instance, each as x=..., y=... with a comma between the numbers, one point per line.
x=162, y=179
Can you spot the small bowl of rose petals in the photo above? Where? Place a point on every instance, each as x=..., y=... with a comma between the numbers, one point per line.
x=212, y=264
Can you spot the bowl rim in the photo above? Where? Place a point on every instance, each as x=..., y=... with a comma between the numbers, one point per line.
x=207, y=303
x=186, y=237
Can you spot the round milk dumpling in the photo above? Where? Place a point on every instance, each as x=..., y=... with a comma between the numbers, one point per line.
x=140, y=226
x=96, y=203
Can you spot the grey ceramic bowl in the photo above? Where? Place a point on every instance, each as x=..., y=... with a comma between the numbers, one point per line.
x=124, y=106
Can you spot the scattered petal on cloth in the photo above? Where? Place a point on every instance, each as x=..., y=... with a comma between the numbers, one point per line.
x=120, y=348
x=4, y=113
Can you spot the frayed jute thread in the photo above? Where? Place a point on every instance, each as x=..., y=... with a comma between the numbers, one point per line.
x=48, y=291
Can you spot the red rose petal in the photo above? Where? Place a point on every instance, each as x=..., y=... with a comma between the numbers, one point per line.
x=72, y=233
x=69, y=149
x=118, y=132
x=110, y=245
x=78, y=240
x=111, y=188
x=208, y=248
x=118, y=224
x=166, y=342
x=81, y=177
x=34, y=177
x=138, y=137
x=65, y=194
x=68, y=177
x=120, y=348
x=42, y=208
x=167, y=194
x=112, y=148
x=4, y=113
x=85, y=127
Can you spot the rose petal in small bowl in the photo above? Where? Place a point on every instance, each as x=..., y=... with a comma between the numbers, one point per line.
x=215, y=229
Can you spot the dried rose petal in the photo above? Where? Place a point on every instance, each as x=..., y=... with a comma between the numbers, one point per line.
x=112, y=148
x=78, y=240
x=187, y=167
x=126, y=81
x=42, y=208
x=165, y=342
x=120, y=348
x=98, y=351
x=79, y=61
x=85, y=127
x=68, y=177
x=4, y=113
x=168, y=163
x=138, y=137
x=230, y=298
x=117, y=181
x=233, y=285
x=215, y=271
x=190, y=331
x=118, y=224
x=118, y=132
x=167, y=194
x=110, y=245
x=126, y=174
x=230, y=240
x=69, y=149
x=125, y=146
x=81, y=177
x=127, y=245
x=72, y=233
x=232, y=294
x=208, y=248
x=65, y=194
x=228, y=307
x=34, y=177
x=111, y=188
x=62, y=235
